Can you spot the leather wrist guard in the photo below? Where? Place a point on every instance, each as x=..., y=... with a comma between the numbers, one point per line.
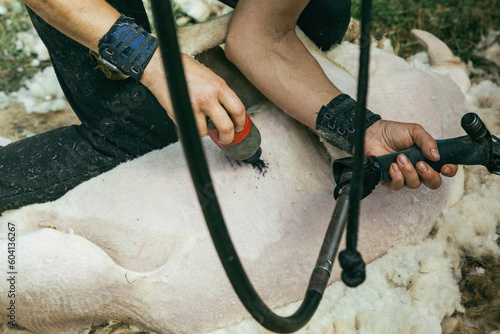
x=127, y=48
x=335, y=122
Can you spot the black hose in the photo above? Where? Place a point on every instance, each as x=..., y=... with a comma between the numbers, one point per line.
x=350, y=259
x=165, y=27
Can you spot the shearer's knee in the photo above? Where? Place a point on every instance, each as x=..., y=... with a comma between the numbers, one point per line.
x=325, y=22
x=254, y=27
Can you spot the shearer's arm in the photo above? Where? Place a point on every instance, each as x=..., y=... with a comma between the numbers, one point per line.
x=84, y=21
x=262, y=43
x=88, y=21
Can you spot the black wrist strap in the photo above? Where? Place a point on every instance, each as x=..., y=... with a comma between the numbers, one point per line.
x=128, y=48
x=335, y=122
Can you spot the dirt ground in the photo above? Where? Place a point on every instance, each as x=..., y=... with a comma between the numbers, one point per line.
x=480, y=297
x=16, y=124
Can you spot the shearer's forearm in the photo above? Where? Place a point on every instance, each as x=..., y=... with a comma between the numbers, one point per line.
x=84, y=21
x=262, y=43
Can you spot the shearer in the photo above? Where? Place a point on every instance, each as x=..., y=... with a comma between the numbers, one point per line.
x=124, y=119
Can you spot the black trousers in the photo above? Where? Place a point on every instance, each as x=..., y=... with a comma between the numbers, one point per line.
x=121, y=120
x=323, y=21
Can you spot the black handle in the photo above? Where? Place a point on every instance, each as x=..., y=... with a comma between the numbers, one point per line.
x=459, y=151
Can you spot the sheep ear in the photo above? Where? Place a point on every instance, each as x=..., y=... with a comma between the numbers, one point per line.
x=442, y=59
x=439, y=53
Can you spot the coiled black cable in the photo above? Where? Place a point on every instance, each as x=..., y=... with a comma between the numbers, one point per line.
x=165, y=27
x=350, y=259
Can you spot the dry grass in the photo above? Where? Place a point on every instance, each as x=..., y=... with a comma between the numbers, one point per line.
x=460, y=24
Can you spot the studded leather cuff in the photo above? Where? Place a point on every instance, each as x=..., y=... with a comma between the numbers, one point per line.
x=127, y=48
x=335, y=122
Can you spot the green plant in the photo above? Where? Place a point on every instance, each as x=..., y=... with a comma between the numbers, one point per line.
x=460, y=24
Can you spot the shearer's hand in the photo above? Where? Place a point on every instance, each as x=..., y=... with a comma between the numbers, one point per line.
x=385, y=137
x=210, y=96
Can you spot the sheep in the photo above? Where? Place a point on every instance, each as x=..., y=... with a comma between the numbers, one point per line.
x=132, y=244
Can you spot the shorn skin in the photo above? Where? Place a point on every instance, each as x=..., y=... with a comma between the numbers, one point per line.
x=132, y=244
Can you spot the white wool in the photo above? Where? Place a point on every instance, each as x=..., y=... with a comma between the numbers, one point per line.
x=30, y=44
x=26, y=134
x=472, y=224
x=200, y=10
x=42, y=93
x=485, y=95
x=5, y=141
x=419, y=60
x=409, y=290
x=478, y=271
x=387, y=45
x=4, y=100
